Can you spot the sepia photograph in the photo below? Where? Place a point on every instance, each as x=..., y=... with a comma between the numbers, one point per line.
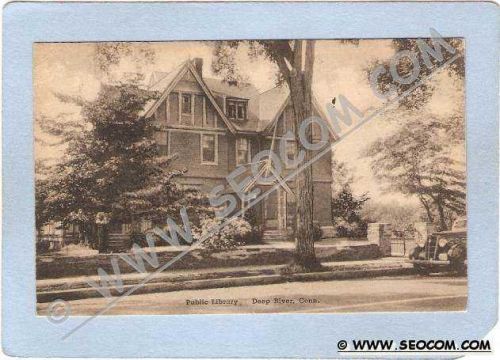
x=250, y=176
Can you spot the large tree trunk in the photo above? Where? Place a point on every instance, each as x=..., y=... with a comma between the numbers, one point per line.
x=430, y=217
x=300, y=83
x=442, y=217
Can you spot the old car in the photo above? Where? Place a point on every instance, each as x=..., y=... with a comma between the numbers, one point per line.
x=442, y=251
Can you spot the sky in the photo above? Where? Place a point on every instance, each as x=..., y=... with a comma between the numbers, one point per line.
x=70, y=69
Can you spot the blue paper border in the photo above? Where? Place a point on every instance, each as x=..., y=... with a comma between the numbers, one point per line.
x=279, y=335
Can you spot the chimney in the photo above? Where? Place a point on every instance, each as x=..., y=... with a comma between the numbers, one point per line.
x=198, y=65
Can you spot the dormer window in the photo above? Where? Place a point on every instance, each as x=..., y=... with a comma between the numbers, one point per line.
x=236, y=109
x=231, y=110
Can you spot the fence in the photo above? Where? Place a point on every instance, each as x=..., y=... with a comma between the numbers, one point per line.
x=402, y=246
x=382, y=234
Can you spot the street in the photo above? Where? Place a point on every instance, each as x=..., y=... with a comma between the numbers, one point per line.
x=399, y=293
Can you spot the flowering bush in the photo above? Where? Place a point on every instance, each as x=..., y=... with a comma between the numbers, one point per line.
x=227, y=237
x=101, y=218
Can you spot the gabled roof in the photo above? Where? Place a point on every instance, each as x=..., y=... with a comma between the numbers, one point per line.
x=244, y=91
x=166, y=84
x=272, y=102
x=263, y=109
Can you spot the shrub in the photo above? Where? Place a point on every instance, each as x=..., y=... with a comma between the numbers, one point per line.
x=228, y=237
x=42, y=247
x=356, y=230
x=139, y=239
x=255, y=235
x=346, y=213
x=403, y=231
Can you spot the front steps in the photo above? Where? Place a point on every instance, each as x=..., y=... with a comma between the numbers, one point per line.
x=274, y=235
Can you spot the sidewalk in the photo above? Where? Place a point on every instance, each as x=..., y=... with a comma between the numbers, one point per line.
x=174, y=280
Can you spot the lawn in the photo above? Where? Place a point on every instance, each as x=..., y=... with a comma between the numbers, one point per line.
x=74, y=262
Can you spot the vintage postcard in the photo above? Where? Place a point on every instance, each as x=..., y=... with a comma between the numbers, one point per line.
x=266, y=180
x=265, y=176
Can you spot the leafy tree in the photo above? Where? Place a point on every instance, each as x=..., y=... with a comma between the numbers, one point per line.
x=401, y=215
x=42, y=217
x=420, y=96
x=294, y=60
x=114, y=165
x=109, y=54
x=346, y=207
x=417, y=160
x=346, y=216
x=65, y=126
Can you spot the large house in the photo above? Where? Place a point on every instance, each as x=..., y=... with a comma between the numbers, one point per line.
x=215, y=127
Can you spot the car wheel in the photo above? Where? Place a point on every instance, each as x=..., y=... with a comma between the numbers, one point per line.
x=460, y=268
x=422, y=270
x=457, y=259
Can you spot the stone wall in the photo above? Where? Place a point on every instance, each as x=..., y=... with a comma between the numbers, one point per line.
x=380, y=234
